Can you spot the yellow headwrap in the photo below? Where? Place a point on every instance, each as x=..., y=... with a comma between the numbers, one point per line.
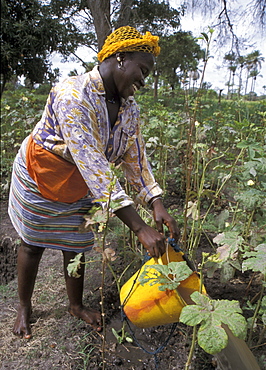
x=129, y=39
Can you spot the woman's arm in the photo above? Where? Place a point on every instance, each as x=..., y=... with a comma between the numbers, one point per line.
x=152, y=240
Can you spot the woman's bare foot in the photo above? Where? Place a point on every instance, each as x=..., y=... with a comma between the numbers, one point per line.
x=89, y=315
x=22, y=324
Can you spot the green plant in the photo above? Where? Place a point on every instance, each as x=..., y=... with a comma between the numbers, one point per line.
x=122, y=335
x=211, y=315
x=20, y=111
x=86, y=350
x=167, y=276
x=255, y=261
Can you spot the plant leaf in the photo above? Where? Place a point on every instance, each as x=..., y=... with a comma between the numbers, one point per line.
x=74, y=265
x=231, y=240
x=256, y=260
x=212, y=338
x=211, y=314
x=168, y=276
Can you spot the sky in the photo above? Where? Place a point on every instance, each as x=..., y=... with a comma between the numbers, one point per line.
x=216, y=71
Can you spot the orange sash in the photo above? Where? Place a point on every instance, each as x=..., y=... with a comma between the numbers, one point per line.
x=56, y=178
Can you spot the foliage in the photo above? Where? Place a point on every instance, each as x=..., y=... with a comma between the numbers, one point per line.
x=255, y=260
x=30, y=32
x=180, y=53
x=20, y=111
x=227, y=195
x=122, y=336
x=211, y=315
x=167, y=276
x=74, y=266
x=153, y=16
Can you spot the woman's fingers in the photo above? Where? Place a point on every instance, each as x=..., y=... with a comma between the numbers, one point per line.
x=152, y=240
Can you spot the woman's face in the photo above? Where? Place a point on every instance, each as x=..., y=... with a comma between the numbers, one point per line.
x=135, y=68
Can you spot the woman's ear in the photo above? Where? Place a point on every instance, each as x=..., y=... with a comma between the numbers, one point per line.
x=120, y=57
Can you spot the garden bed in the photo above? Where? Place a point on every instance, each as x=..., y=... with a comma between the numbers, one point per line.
x=63, y=342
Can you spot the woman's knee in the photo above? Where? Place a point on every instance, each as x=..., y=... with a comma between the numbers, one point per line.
x=31, y=249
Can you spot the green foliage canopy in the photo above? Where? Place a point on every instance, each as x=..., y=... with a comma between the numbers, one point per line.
x=180, y=53
x=31, y=31
x=154, y=16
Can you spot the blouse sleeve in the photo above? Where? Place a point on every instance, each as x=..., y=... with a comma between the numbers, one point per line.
x=138, y=172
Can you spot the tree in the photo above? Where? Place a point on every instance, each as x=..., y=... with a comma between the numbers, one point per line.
x=253, y=65
x=100, y=12
x=254, y=74
x=31, y=31
x=241, y=62
x=146, y=15
x=231, y=58
x=180, y=54
x=253, y=12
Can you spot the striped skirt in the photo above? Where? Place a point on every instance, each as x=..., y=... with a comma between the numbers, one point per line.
x=41, y=222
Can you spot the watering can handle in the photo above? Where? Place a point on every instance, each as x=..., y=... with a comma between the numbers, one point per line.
x=176, y=247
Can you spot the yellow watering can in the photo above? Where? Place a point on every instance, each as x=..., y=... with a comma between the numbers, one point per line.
x=146, y=306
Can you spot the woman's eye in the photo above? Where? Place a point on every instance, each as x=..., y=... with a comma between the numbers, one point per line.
x=144, y=72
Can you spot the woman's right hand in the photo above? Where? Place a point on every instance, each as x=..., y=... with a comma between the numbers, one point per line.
x=152, y=240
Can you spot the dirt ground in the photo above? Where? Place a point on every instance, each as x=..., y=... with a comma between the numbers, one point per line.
x=63, y=342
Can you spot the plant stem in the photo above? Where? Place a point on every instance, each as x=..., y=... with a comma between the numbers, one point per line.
x=195, y=329
x=192, y=348
x=255, y=315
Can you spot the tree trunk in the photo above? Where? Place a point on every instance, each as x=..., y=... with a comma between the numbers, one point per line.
x=240, y=81
x=156, y=79
x=100, y=11
x=124, y=14
x=3, y=84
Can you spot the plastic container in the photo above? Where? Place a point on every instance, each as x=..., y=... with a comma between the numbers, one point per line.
x=146, y=306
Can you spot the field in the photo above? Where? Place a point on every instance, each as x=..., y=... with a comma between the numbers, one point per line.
x=209, y=157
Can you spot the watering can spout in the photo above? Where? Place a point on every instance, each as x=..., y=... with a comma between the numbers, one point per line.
x=236, y=355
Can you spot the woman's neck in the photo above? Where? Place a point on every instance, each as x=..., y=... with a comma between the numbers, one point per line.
x=111, y=94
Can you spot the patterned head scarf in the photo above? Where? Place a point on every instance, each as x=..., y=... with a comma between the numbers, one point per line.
x=129, y=39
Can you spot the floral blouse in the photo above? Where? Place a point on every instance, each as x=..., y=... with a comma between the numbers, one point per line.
x=75, y=125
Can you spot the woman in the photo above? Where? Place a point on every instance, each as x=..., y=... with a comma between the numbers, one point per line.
x=89, y=122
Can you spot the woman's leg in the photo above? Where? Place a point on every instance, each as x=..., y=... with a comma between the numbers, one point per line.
x=27, y=266
x=74, y=288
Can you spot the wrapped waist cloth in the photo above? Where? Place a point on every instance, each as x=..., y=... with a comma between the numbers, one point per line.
x=43, y=222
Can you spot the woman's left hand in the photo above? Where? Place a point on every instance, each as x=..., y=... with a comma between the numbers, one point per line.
x=162, y=217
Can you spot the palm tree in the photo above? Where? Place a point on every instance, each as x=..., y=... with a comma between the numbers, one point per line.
x=254, y=74
x=232, y=69
x=253, y=63
x=231, y=59
x=241, y=62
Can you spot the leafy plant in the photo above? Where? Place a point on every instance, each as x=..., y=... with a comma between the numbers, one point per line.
x=122, y=336
x=211, y=315
x=167, y=276
x=74, y=265
x=255, y=261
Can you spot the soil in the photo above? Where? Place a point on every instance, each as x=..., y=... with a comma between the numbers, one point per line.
x=62, y=342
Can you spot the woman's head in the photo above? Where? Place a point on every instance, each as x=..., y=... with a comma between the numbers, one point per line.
x=127, y=58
